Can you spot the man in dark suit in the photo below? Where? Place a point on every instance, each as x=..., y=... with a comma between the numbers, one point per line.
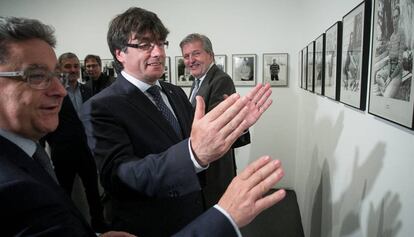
x=213, y=85
x=97, y=79
x=147, y=144
x=68, y=144
x=31, y=201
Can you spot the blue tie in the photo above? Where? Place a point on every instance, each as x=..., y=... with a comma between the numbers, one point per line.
x=154, y=91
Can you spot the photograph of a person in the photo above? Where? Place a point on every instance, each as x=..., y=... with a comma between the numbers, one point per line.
x=275, y=69
x=220, y=61
x=182, y=75
x=391, y=90
x=319, y=64
x=167, y=74
x=244, y=69
x=333, y=37
x=310, y=74
x=354, y=65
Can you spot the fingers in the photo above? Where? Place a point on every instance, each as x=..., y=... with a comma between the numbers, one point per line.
x=264, y=178
x=231, y=117
x=223, y=107
x=270, y=200
x=254, y=166
x=250, y=95
x=200, y=108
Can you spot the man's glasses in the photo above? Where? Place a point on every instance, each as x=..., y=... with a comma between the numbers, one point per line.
x=145, y=46
x=37, y=78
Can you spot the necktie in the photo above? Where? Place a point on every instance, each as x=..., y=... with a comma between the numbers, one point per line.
x=154, y=91
x=43, y=159
x=195, y=90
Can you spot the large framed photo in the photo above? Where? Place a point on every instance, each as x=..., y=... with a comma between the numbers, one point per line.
x=221, y=61
x=333, y=50
x=304, y=67
x=355, y=50
x=391, y=90
x=244, y=69
x=320, y=64
x=167, y=72
x=275, y=69
x=310, y=74
x=182, y=75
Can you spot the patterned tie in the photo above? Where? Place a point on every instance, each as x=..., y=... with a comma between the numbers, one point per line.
x=162, y=107
x=43, y=159
x=195, y=90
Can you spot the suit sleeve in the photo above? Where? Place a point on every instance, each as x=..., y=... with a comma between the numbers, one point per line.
x=210, y=223
x=166, y=174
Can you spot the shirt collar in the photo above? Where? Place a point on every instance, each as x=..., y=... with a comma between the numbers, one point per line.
x=27, y=145
x=142, y=86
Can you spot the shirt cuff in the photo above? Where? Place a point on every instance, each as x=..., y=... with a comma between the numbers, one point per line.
x=198, y=168
x=229, y=218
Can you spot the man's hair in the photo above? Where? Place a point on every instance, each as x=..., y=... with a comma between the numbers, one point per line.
x=133, y=24
x=14, y=29
x=95, y=57
x=207, y=46
x=65, y=56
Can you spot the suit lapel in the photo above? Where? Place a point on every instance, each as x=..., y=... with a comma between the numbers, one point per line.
x=207, y=81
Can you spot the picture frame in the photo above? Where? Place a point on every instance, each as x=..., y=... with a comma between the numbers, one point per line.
x=304, y=68
x=333, y=52
x=319, y=68
x=300, y=63
x=275, y=69
x=391, y=83
x=355, y=52
x=310, y=73
x=182, y=75
x=167, y=72
x=244, y=69
x=221, y=61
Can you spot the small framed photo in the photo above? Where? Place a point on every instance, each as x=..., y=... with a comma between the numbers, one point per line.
x=355, y=52
x=244, y=69
x=333, y=50
x=167, y=72
x=310, y=74
x=182, y=75
x=320, y=64
x=391, y=85
x=275, y=69
x=304, y=68
x=221, y=61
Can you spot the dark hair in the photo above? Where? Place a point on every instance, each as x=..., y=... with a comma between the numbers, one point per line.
x=95, y=57
x=66, y=56
x=133, y=24
x=14, y=29
x=207, y=46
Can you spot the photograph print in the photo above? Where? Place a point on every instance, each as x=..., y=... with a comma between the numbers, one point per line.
x=354, y=64
x=304, y=67
x=167, y=74
x=275, y=69
x=310, y=74
x=391, y=90
x=244, y=69
x=319, y=64
x=220, y=60
x=333, y=44
x=182, y=74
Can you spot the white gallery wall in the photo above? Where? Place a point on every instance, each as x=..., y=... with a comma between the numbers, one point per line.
x=351, y=171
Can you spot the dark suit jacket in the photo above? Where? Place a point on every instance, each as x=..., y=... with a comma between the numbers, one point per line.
x=220, y=173
x=101, y=83
x=31, y=203
x=144, y=166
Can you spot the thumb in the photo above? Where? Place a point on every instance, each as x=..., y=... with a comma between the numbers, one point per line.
x=200, y=108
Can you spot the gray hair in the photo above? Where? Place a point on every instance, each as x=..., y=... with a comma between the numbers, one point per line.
x=67, y=55
x=207, y=46
x=15, y=29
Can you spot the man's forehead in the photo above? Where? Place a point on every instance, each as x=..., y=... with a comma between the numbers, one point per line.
x=148, y=36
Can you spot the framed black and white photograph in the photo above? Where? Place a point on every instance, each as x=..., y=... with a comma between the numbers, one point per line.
x=320, y=64
x=221, y=60
x=275, y=69
x=300, y=69
x=391, y=90
x=182, y=75
x=355, y=50
x=244, y=69
x=333, y=50
x=310, y=74
x=167, y=72
x=304, y=67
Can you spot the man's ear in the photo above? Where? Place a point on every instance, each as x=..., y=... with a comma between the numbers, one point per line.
x=120, y=55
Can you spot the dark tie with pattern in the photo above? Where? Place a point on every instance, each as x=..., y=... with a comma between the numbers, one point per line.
x=163, y=108
x=43, y=159
x=195, y=90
